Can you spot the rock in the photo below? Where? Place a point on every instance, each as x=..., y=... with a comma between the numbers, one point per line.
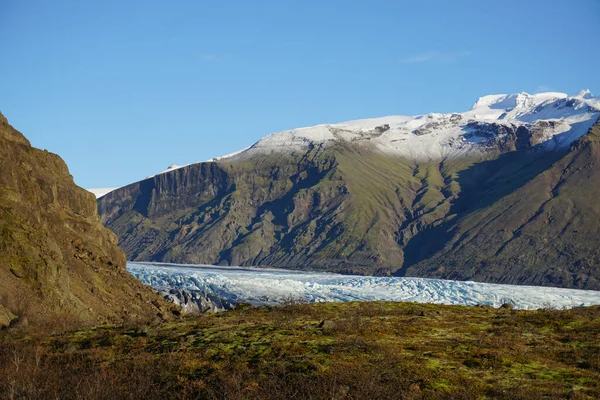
x=6, y=318
x=327, y=325
x=21, y=322
x=142, y=330
x=342, y=392
x=414, y=388
x=507, y=306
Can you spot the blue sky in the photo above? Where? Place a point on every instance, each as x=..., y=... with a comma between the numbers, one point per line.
x=122, y=89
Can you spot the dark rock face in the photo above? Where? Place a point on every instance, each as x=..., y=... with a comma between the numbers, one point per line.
x=349, y=209
x=507, y=138
x=188, y=187
x=57, y=261
x=252, y=212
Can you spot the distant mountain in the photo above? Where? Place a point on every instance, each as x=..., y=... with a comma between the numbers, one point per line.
x=546, y=231
x=101, y=191
x=377, y=196
x=58, y=264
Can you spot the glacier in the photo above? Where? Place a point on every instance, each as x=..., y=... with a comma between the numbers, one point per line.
x=261, y=286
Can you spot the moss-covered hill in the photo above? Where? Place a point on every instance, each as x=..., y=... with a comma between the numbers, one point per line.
x=58, y=264
x=343, y=209
x=351, y=209
x=318, y=351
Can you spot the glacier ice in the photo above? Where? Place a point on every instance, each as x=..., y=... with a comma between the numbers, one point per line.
x=260, y=286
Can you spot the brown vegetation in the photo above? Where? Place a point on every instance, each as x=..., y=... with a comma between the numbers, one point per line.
x=318, y=351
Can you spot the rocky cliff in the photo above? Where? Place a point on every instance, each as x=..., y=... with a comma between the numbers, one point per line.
x=58, y=264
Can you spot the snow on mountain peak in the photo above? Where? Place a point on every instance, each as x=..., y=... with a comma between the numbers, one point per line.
x=556, y=118
x=584, y=94
x=436, y=136
x=101, y=191
x=518, y=100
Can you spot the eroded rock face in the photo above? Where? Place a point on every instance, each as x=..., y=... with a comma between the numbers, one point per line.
x=57, y=261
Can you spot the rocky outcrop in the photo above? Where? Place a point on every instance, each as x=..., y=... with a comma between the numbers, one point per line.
x=57, y=262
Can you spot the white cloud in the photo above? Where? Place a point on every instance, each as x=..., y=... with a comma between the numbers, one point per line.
x=436, y=57
x=543, y=89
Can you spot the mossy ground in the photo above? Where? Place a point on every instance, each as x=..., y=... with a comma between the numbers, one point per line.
x=339, y=351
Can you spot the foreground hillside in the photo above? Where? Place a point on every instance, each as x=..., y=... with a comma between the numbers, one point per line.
x=58, y=264
x=318, y=351
x=502, y=193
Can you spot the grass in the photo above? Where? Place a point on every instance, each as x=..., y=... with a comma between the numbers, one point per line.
x=333, y=351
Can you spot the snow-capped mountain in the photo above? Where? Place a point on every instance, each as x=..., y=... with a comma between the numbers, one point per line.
x=99, y=192
x=504, y=192
x=557, y=118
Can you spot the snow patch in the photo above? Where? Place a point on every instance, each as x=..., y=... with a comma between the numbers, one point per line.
x=436, y=136
x=101, y=192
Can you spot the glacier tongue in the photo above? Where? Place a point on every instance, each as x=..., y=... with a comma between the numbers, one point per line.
x=273, y=287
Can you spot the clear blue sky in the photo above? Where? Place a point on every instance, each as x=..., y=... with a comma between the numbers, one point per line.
x=122, y=89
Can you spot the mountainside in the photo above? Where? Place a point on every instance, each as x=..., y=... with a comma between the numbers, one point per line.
x=58, y=264
x=548, y=230
x=375, y=196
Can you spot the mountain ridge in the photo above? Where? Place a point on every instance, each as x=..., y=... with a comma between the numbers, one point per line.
x=450, y=134
x=344, y=205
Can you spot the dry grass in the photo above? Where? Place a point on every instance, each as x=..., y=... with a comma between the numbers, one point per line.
x=319, y=351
